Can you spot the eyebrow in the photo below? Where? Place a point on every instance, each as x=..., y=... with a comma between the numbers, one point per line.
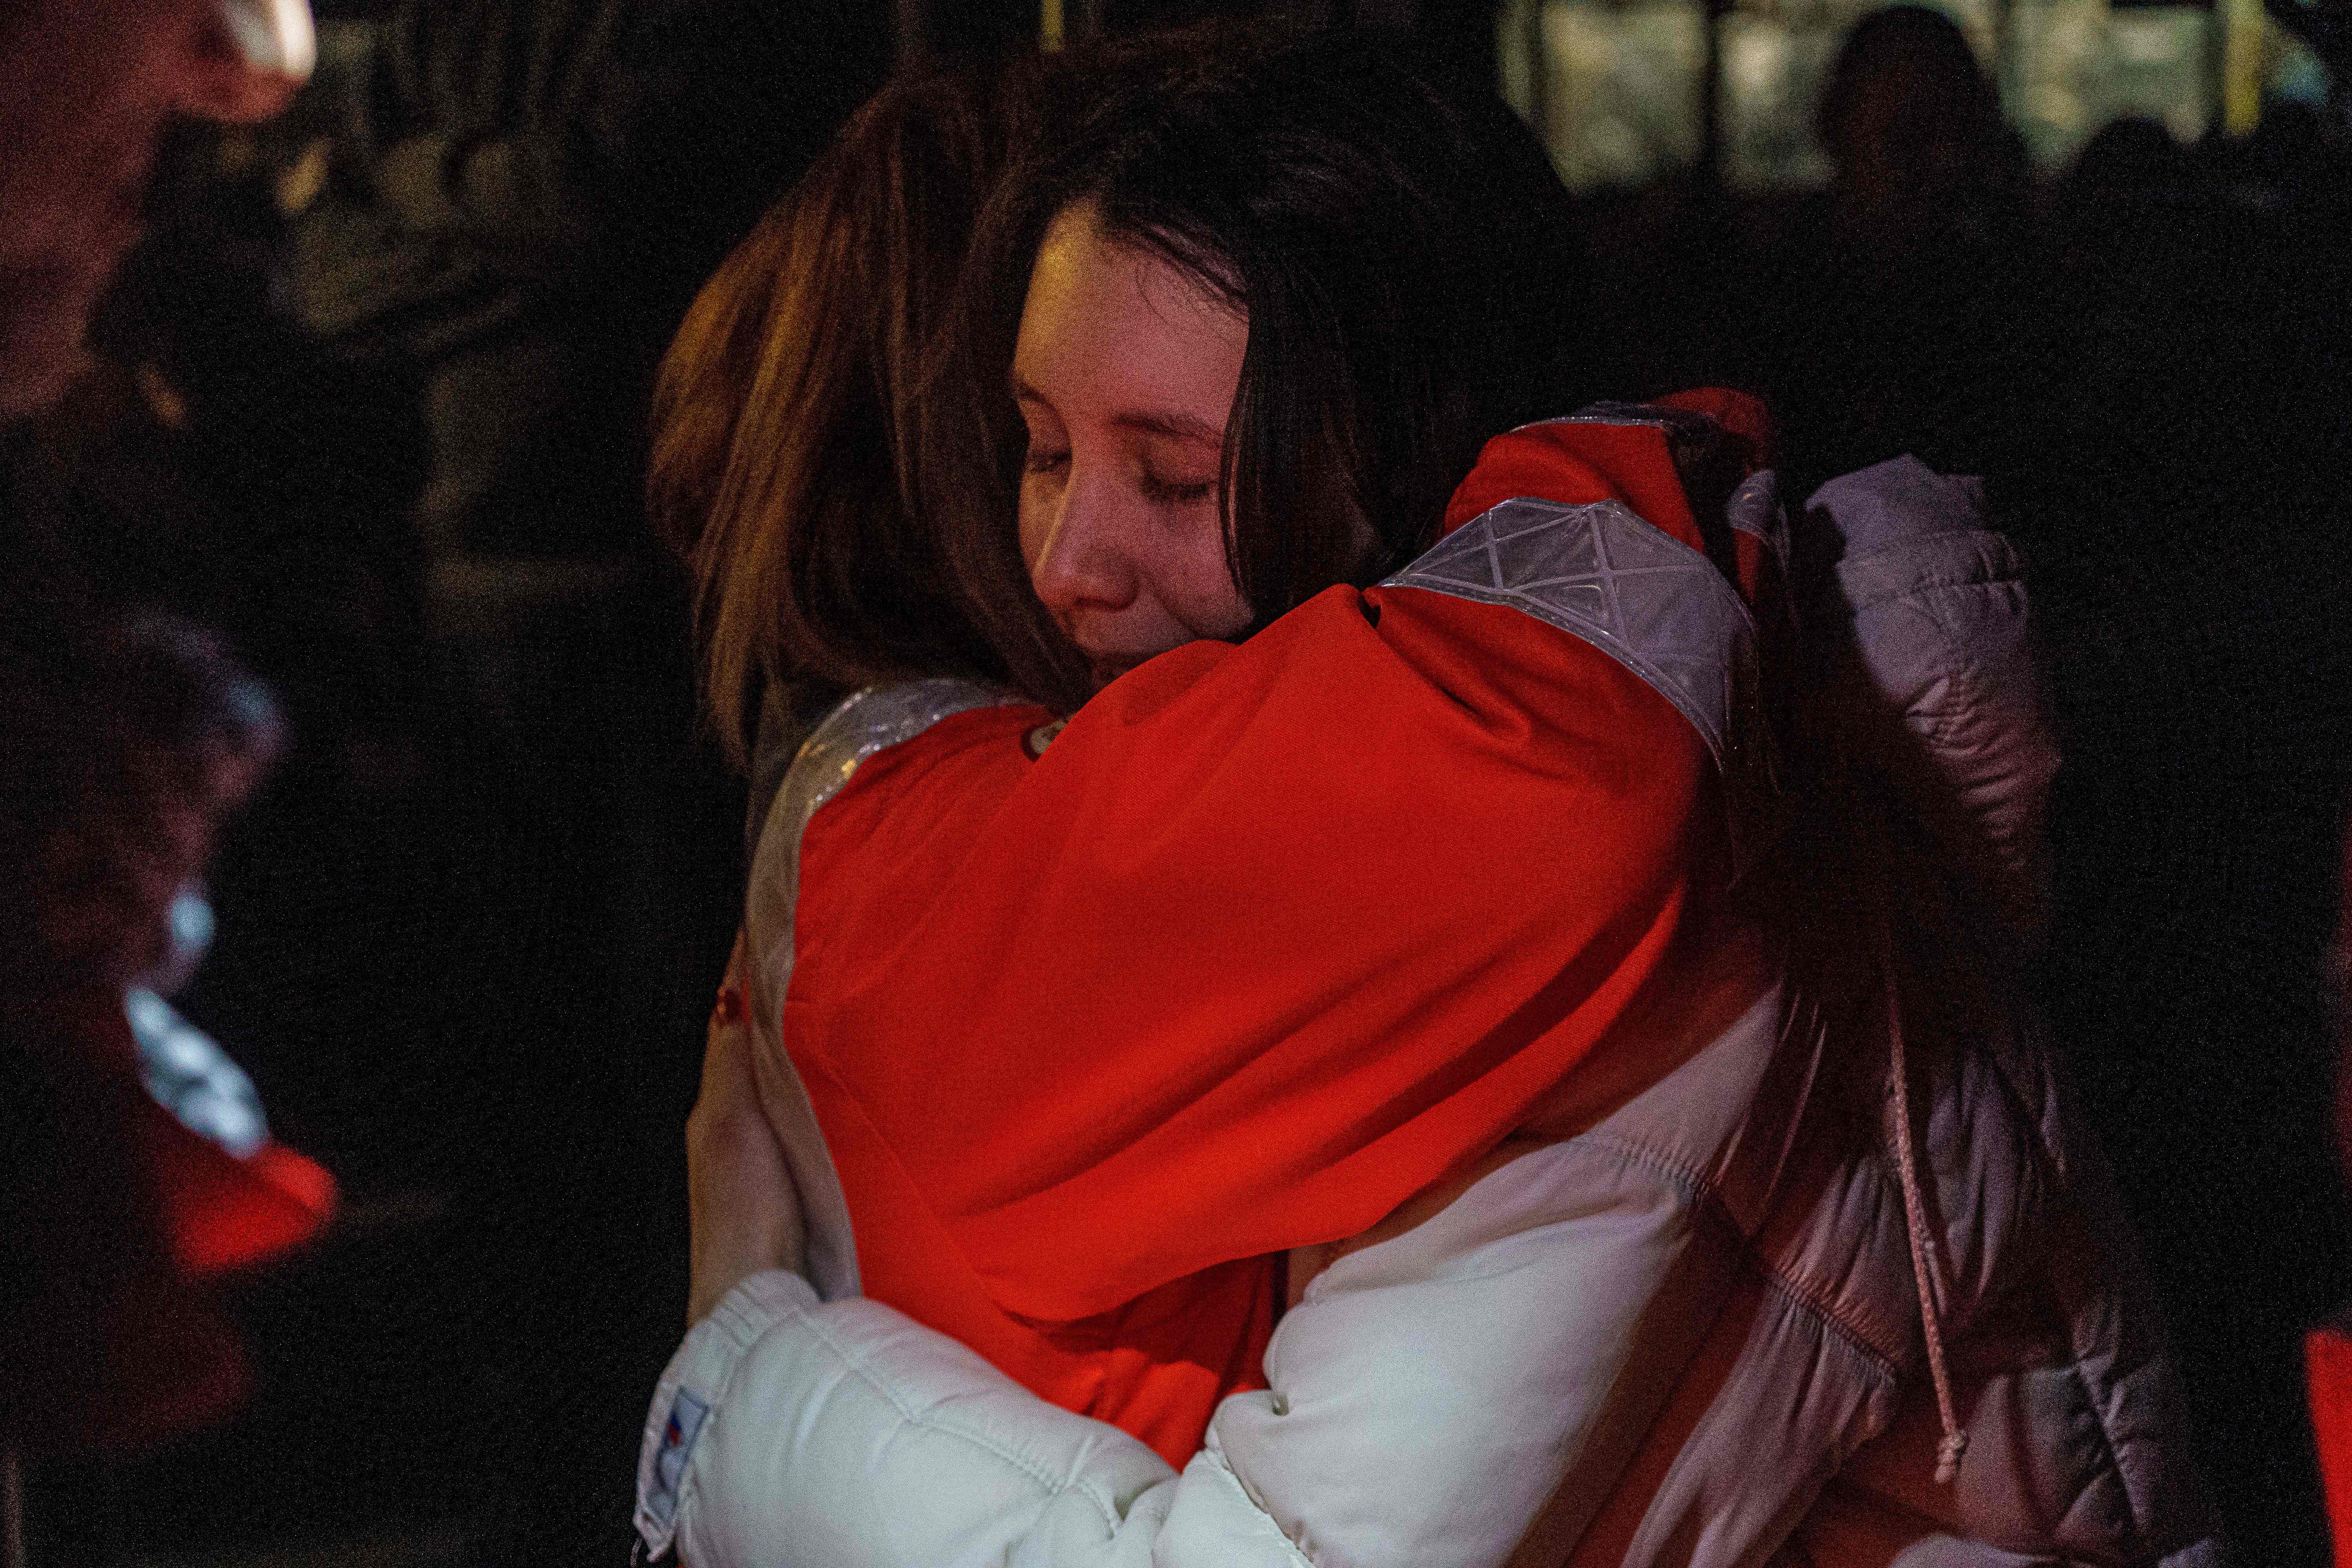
x=1176, y=426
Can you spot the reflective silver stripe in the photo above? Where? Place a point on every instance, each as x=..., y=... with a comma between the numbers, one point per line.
x=870, y=721
x=1660, y=608
x=1689, y=436
x=1754, y=508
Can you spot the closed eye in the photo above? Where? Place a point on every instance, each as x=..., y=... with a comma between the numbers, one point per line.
x=1170, y=492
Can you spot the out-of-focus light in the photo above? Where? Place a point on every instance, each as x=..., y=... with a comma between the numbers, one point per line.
x=192, y=1078
x=274, y=35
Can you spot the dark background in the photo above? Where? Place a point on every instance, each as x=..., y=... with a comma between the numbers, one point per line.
x=373, y=405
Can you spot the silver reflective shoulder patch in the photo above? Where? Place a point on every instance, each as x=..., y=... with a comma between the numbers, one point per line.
x=874, y=719
x=867, y=722
x=1599, y=573
x=1660, y=608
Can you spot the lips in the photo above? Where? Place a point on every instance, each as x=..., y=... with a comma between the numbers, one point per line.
x=1109, y=663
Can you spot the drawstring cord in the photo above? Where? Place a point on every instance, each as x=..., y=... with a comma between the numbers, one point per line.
x=1914, y=1221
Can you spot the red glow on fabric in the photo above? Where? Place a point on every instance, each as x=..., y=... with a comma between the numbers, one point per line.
x=1579, y=464
x=2327, y=1368
x=226, y=1213
x=1270, y=939
x=121, y=1345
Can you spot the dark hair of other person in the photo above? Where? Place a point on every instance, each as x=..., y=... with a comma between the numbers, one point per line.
x=1408, y=265
x=787, y=463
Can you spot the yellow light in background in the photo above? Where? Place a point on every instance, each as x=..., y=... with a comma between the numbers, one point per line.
x=1049, y=26
x=2245, y=61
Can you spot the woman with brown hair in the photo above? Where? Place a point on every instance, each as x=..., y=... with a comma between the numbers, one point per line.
x=788, y=468
x=1392, y=946
x=787, y=465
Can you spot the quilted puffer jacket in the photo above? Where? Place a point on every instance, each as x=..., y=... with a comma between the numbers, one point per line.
x=1846, y=1286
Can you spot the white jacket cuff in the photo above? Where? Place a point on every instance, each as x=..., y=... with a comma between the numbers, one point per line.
x=842, y=1435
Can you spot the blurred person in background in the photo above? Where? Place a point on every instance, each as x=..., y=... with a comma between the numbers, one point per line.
x=135, y=1164
x=370, y=402
x=498, y=211
x=1901, y=316
x=501, y=207
x=374, y=408
x=2177, y=481
x=87, y=90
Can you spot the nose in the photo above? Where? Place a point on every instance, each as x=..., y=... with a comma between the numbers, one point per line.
x=247, y=59
x=1084, y=563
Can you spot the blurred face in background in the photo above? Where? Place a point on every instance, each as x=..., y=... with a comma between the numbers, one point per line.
x=1908, y=135
x=1125, y=371
x=86, y=87
x=1913, y=127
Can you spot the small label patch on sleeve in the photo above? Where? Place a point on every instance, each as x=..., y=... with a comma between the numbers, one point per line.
x=679, y=1433
x=1039, y=739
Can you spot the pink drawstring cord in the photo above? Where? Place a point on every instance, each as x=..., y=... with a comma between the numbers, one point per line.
x=1914, y=1222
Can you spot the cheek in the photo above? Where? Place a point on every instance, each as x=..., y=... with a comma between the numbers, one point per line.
x=1035, y=521
x=1200, y=589
x=1027, y=532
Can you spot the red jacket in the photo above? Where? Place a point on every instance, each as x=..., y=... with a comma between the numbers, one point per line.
x=1270, y=940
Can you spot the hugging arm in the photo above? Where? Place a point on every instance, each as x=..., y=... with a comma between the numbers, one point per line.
x=1425, y=1397
x=744, y=1213
x=788, y=1430
x=1290, y=1082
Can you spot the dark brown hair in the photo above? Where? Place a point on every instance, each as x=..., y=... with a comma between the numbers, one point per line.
x=787, y=460
x=1407, y=263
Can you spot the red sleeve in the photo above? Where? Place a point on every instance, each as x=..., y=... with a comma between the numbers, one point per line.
x=1269, y=939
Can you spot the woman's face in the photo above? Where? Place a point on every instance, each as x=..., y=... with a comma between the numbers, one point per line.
x=1125, y=371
